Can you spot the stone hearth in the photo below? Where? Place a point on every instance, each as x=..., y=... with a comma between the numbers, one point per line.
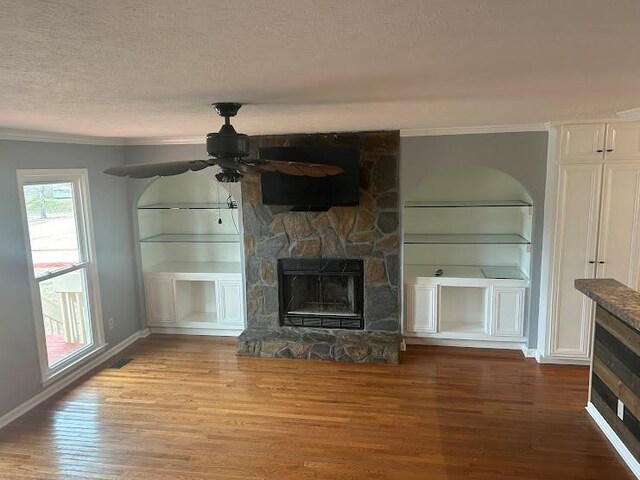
x=369, y=232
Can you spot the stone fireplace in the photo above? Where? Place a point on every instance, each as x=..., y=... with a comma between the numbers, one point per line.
x=325, y=285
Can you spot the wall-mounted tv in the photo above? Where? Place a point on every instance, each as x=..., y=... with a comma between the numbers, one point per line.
x=309, y=193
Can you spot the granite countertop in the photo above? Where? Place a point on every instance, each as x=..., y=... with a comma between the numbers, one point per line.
x=619, y=299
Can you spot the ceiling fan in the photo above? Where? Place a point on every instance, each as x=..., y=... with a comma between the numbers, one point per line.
x=229, y=150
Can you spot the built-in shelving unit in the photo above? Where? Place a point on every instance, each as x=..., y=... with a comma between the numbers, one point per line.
x=467, y=236
x=191, y=260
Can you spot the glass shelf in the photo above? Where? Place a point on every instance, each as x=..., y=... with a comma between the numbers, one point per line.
x=195, y=267
x=191, y=238
x=187, y=206
x=465, y=271
x=466, y=239
x=467, y=203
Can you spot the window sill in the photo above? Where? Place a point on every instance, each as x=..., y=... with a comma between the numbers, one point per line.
x=87, y=356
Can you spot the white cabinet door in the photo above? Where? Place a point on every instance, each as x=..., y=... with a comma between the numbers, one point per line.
x=507, y=307
x=230, y=303
x=159, y=300
x=619, y=240
x=582, y=143
x=623, y=142
x=421, y=308
x=578, y=205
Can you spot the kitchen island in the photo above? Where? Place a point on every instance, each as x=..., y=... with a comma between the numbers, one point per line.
x=614, y=390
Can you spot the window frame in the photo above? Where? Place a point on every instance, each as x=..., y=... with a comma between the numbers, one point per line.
x=79, y=179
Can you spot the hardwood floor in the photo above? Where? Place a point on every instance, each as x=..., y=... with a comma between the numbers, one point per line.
x=187, y=407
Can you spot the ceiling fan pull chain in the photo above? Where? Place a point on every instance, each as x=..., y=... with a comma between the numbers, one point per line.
x=218, y=201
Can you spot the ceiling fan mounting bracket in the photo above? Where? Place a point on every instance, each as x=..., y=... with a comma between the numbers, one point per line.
x=227, y=109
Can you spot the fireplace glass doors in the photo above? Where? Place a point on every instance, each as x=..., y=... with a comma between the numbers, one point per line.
x=321, y=293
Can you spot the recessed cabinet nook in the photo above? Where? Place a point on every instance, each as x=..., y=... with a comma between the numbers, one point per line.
x=592, y=229
x=190, y=254
x=467, y=253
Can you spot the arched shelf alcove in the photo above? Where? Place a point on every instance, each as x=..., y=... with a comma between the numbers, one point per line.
x=466, y=255
x=189, y=236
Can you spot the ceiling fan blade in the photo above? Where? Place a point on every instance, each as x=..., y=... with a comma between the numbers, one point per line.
x=298, y=169
x=147, y=170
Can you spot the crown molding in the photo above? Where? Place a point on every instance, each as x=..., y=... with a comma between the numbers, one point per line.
x=426, y=132
x=186, y=140
x=53, y=137
x=631, y=114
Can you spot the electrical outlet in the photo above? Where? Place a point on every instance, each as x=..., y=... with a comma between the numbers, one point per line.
x=620, y=410
x=111, y=323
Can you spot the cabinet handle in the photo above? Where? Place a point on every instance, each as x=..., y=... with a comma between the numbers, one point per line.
x=609, y=150
x=601, y=262
x=592, y=262
x=600, y=150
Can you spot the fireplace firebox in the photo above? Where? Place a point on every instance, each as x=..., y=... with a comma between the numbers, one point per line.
x=322, y=293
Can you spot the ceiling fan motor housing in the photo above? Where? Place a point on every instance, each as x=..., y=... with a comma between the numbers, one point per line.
x=227, y=145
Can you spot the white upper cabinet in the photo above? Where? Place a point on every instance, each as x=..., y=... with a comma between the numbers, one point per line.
x=623, y=142
x=619, y=243
x=583, y=143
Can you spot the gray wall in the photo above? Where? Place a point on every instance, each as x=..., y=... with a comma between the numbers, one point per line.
x=521, y=155
x=19, y=370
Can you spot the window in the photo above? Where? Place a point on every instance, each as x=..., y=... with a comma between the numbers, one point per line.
x=64, y=288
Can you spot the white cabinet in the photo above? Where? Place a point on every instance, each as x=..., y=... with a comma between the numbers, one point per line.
x=507, y=309
x=197, y=301
x=575, y=246
x=159, y=300
x=583, y=143
x=622, y=142
x=229, y=303
x=597, y=142
x=594, y=217
x=619, y=241
x=421, y=308
x=447, y=308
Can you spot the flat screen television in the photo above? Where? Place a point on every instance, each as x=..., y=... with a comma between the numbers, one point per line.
x=312, y=193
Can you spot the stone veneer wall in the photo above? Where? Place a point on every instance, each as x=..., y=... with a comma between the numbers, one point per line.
x=370, y=232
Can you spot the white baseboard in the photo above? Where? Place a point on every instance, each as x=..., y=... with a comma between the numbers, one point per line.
x=529, y=352
x=68, y=379
x=209, y=332
x=620, y=447
x=446, y=342
x=540, y=358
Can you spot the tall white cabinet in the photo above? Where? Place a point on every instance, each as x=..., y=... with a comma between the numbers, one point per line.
x=592, y=225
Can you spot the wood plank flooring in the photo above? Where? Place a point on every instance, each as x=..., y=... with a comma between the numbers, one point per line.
x=187, y=407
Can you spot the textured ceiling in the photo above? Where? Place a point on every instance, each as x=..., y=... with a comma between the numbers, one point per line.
x=151, y=68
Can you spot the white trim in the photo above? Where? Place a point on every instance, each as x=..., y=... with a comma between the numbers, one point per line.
x=53, y=137
x=66, y=381
x=529, y=352
x=427, y=132
x=184, y=140
x=631, y=114
x=540, y=358
x=207, y=332
x=611, y=435
x=464, y=343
